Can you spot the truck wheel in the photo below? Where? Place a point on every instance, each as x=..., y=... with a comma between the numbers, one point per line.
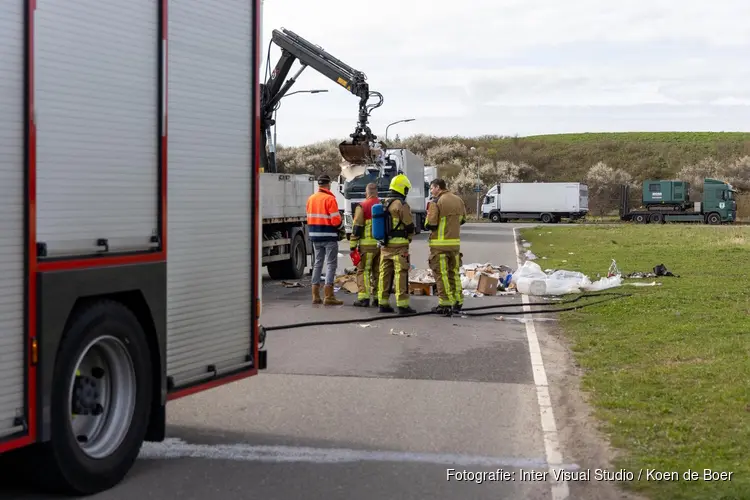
x=656, y=218
x=495, y=217
x=100, y=401
x=640, y=219
x=294, y=267
x=713, y=219
x=546, y=218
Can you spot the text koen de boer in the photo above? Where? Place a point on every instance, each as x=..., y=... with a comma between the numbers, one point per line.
x=558, y=475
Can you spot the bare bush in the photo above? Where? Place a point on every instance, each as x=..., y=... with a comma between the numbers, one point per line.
x=604, y=184
x=737, y=173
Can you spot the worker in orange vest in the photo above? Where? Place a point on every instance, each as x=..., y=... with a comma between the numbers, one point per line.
x=326, y=229
x=361, y=241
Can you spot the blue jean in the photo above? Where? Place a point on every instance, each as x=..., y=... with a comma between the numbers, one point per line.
x=328, y=252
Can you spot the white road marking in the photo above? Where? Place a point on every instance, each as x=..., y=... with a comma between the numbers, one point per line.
x=177, y=448
x=560, y=490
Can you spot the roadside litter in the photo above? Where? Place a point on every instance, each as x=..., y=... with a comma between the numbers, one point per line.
x=478, y=280
x=658, y=272
x=530, y=279
x=400, y=332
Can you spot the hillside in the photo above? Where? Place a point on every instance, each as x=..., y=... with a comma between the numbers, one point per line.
x=596, y=158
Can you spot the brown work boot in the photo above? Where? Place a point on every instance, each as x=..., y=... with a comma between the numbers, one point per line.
x=316, y=294
x=330, y=300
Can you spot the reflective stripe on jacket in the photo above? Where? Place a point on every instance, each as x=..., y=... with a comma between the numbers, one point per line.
x=323, y=217
x=403, y=224
x=445, y=216
x=362, y=226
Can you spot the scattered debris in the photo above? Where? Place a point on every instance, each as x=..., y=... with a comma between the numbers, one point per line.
x=478, y=280
x=499, y=318
x=421, y=276
x=659, y=271
x=347, y=282
x=637, y=283
x=400, y=332
x=531, y=280
x=529, y=255
x=291, y=284
x=365, y=325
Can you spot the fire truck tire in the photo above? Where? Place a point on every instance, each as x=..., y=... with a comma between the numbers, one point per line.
x=102, y=369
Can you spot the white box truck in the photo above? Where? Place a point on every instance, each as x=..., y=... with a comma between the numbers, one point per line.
x=130, y=230
x=544, y=201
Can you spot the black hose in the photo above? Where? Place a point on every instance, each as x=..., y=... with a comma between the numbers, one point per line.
x=611, y=295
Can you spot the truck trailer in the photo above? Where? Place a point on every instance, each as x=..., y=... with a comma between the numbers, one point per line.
x=284, y=218
x=544, y=201
x=131, y=233
x=669, y=201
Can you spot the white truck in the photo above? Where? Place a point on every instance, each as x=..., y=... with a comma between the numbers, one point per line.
x=544, y=201
x=430, y=174
x=396, y=160
x=130, y=234
x=285, y=235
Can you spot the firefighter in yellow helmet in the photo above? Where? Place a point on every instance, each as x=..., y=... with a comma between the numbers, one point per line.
x=394, y=252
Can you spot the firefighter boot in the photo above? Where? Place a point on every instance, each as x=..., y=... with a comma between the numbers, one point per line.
x=385, y=307
x=330, y=300
x=316, y=294
x=362, y=303
x=406, y=310
x=442, y=310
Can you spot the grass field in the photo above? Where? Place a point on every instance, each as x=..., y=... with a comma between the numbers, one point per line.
x=668, y=369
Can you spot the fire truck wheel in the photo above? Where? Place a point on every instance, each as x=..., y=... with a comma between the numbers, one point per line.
x=101, y=400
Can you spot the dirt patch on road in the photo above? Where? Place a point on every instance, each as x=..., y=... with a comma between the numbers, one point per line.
x=582, y=442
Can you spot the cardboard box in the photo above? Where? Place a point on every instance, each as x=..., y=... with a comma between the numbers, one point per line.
x=487, y=285
x=470, y=273
x=416, y=288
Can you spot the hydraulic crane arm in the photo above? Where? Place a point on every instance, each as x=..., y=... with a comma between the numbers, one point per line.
x=295, y=48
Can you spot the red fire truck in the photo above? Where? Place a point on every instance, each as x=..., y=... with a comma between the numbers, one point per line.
x=130, y=229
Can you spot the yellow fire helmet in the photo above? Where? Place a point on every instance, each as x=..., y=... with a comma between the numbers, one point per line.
x=400, y=184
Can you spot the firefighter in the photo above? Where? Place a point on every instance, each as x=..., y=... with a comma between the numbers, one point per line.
x=394, y=254
x=445, y=216
x=326, y=228
x=361, y=240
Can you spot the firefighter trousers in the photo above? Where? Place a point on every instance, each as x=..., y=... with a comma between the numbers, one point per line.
x=367, y=274
x=394, y=271
x=446, y=266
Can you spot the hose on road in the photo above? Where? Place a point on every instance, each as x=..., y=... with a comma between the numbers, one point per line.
x=610, y=296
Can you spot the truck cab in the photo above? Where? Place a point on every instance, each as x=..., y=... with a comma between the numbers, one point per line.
x=719, y=197
x=395, y=161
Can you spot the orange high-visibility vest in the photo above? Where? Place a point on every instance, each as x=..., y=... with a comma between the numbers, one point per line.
x=323, y=217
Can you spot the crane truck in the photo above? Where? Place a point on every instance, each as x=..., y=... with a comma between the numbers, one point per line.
x=285, y=236
x=669, y=201
x=131, y=242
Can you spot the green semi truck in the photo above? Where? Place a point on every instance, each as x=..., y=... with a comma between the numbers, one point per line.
x=669, y=201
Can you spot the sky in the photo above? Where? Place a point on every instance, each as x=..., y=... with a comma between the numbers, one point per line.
x=520, y=67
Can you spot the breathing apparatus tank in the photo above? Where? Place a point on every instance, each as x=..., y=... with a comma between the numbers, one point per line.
x=378, y=222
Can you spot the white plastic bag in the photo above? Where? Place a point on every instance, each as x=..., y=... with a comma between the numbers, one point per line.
x=548, y=286
x=604, y=284
x=528, y=270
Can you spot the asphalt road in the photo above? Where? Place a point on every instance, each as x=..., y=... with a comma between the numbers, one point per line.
x=354, y=412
